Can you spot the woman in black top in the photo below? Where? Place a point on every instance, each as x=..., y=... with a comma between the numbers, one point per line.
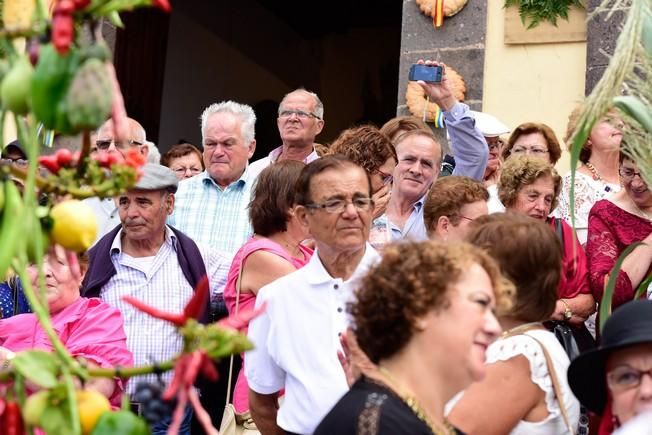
x=424, y=316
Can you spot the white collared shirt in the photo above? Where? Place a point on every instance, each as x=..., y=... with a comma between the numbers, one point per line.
x=257, y=167
x=297, y=338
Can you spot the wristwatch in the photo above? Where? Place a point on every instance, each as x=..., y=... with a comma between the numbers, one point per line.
x=568, y=314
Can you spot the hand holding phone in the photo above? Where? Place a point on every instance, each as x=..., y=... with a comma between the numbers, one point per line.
x=426, y=73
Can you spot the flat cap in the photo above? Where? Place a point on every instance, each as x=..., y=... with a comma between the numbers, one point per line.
x=157, y=177
x=489, y=125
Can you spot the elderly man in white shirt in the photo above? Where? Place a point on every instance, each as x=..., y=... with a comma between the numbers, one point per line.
x=297, y=338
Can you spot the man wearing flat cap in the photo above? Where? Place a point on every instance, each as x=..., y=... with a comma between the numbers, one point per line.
x=155, y=263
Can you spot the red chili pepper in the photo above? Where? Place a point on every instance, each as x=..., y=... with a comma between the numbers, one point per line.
x=64, y=157
x=164, y=5
x=81, y=4
x=50, y=163
x=208, y=369
x=134, y=158
x=175, y=319
x=198, y=302
x=241, y=320
x=63, y=30
x=12, y=420
x=65, y=7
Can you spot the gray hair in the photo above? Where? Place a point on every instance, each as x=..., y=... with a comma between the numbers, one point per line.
x=319, y=106
x=153, y=155
x=242, y=111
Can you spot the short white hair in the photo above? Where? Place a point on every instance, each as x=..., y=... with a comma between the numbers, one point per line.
x=242, y=111
x=319, y=106
x=153, y=155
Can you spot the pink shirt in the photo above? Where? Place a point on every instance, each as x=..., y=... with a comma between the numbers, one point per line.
x=248, y=299
x=89, y=328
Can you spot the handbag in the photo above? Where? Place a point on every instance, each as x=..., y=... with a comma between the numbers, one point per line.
x=234, y=423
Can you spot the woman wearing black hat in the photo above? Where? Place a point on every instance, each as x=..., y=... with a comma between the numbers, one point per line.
x=615, y=380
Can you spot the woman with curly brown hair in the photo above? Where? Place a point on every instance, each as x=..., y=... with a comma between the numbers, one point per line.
x=425, y=317
x=530, y=186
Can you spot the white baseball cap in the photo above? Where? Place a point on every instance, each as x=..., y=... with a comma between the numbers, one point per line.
x=489, y=125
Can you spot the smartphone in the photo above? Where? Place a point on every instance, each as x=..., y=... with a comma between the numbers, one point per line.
x=427, y=73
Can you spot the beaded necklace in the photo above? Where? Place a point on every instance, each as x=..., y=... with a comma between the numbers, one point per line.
x=415, y=406
x=597, y=176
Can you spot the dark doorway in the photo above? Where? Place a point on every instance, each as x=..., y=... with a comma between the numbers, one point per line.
x=254, y=52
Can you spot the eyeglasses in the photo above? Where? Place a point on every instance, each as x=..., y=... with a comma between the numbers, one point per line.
x=285, y=114
x=18, y=162
x=339, y=205
x=182, y=170
x=536, y=151
x=105, y=144
x=386, y=178
x=628, y=174
x=464, y=217
x=493, y=143
x=625, y=377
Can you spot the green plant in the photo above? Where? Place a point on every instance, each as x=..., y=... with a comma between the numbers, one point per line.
x=537, y=11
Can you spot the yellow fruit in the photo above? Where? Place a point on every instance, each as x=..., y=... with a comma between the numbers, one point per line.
x=75, y=225
x=91, y=405
x=34, y=407
x=18, y=13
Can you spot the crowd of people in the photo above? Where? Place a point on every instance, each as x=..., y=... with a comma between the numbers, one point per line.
x=399, y=299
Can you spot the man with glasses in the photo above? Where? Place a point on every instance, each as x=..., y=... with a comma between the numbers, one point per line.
x=106, y=210
x=297, y=338
x=300, y=120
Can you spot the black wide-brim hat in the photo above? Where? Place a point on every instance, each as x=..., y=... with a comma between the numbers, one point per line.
x=629, y=325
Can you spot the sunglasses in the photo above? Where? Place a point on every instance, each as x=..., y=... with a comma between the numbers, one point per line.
x=105, y=144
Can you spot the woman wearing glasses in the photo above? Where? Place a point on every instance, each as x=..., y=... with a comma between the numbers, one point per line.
x=530, y=186
x=184, y=159
x=615, y=380
x=534, y=139
x=615, y=223
x=368, y=148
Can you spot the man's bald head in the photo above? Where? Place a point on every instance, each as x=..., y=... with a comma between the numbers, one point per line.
x=137, y=137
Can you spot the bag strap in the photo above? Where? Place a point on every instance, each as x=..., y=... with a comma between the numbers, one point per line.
x=13, y=285
x=238, y=286
x=551, y=369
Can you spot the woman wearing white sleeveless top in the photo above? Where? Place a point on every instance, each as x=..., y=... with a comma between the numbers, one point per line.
x=525, y=390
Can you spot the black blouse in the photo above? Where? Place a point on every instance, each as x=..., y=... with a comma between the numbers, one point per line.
x=372, y=409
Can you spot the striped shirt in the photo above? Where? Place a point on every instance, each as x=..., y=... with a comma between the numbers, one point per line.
x=211, y=215
x=157, y=281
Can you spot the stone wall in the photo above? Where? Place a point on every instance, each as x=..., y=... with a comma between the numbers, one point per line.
x=601, y=39
x=460, y=43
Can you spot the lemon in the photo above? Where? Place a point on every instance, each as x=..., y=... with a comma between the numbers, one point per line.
x=75, y=225
x=18, y=14
x=91, y=405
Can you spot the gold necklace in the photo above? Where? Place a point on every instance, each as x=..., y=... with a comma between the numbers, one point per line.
x=414, y=405
x=597, y=176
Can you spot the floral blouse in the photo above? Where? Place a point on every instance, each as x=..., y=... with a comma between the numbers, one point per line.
x=587, y=192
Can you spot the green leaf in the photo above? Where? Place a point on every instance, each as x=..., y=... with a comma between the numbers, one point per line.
x=646, y=36
x=115, y=19
x=635, y=108
x=38, y=366
x=607, y=296
x=642, y=288
x=57, y=419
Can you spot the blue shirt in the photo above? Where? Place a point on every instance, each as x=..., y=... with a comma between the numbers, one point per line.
x=213, y=216
x=7, y=296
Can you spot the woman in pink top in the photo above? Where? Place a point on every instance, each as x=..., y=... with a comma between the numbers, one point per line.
x=89, y=328
x=275, y=249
